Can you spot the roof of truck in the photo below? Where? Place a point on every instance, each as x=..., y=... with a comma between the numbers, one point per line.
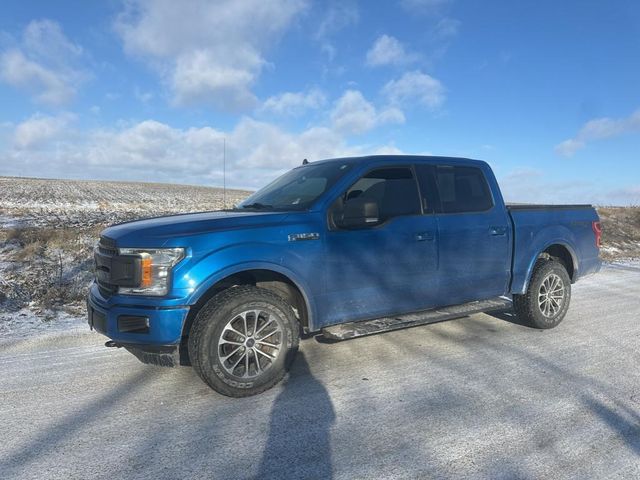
x=432, y=159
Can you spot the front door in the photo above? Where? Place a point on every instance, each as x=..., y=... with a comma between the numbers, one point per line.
x=385, y=268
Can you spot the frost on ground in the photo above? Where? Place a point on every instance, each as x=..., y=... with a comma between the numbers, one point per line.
x=26, y=323
x=31, y=202
x=48, y=229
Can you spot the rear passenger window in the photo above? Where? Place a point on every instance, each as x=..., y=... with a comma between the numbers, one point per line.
x=463, y=189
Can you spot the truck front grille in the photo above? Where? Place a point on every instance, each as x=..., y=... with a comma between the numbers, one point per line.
x=103, y=255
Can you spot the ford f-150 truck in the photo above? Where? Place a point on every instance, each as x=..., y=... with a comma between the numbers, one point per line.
x=348, y=247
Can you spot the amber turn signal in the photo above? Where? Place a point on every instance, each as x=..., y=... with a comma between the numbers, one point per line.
x=146, y=264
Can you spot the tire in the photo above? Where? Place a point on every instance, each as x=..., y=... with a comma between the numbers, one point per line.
x=537, y=309
x=224, y=333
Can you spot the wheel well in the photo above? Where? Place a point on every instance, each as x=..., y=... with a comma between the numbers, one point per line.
x=561, y=254
x=267, y=279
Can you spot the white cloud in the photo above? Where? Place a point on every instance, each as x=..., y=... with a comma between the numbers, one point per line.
x=339, y=15
x=256, y=151
x=529, y=185
x=294, y=103
x=206, y=52
x=415, y=86
x=44, y=64
x=599, y=129
x=45, y=40
x=569, y=147
x=353, y=114
x=388, y=50
x=446, y=28
x=40, y=129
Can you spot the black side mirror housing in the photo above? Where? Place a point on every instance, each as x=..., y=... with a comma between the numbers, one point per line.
x=360, y=212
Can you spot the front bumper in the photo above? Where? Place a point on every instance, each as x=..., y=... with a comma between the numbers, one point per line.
x=164, y=322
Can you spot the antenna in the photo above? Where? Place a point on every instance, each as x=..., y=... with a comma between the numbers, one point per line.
x=224, y=173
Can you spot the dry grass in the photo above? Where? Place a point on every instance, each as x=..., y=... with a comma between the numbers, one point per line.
x=620, y=232
x=45, y=268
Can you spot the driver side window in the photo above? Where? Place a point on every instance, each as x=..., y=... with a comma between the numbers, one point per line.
x=392, y=190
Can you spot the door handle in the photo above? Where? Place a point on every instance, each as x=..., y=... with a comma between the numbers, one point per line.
x=498, y=231
x=424, y=237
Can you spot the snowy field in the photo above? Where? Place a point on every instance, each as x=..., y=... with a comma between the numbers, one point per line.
x=47, y=232
x=48, y=229
x=31, y=202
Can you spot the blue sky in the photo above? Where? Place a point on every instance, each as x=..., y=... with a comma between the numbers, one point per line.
x=548, y=92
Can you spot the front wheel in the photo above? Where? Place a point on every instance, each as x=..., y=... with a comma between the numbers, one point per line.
x=243, y=341
x=547, y=298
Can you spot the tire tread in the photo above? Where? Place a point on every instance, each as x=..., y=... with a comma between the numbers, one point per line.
x=209, y=312
x=526, y=306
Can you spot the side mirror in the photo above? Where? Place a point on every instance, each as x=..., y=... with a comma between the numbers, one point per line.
x=360, y=212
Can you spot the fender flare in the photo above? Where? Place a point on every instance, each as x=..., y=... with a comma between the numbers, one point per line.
x=216, y=277
x=562, y=242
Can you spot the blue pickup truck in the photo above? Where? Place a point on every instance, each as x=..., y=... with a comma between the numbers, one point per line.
x=346, y=247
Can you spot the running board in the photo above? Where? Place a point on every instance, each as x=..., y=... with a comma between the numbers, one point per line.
x=362, y=328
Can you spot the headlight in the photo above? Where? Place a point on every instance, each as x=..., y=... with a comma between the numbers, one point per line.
x=155, y=264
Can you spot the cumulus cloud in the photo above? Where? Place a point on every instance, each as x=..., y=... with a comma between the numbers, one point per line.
x=415, y=86
x=208, y=53
x=150, y=150
x=294, y=103
x=388, y=50
x=353, y=114
x=40, y=129
x=44, y=63
x=599, y=129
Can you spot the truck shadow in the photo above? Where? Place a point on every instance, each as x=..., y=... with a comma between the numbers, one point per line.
x=298, y=444
x=507, y=315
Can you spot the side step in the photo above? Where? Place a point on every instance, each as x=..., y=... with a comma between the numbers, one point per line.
x=362, y=328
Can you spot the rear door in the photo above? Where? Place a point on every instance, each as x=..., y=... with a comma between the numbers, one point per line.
x=474, y=236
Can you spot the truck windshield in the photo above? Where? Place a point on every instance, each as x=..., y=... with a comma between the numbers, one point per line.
x=298, y=188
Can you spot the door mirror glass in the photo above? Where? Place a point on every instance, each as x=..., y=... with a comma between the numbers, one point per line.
x=360, y=212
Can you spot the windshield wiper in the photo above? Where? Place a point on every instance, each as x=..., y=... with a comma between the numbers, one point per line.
x=258, y=206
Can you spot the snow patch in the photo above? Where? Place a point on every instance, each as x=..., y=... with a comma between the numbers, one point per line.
x=26, y=323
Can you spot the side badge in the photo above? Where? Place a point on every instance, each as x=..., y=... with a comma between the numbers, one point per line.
x=297, y=237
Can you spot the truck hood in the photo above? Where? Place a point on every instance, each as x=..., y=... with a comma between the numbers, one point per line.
x=159, y=231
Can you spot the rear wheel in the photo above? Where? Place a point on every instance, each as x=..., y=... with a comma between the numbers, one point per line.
x=548, y=295
x=243, y=341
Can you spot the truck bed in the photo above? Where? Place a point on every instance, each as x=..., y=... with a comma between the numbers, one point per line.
x=536, y=227
x=538, y=206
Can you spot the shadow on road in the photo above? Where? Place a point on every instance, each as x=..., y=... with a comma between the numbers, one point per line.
x=507, y=315
x=627, y=427
x=298, y=445
x=48, y=441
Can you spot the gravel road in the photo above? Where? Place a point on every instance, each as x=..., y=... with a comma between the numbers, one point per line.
x=479, y=397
